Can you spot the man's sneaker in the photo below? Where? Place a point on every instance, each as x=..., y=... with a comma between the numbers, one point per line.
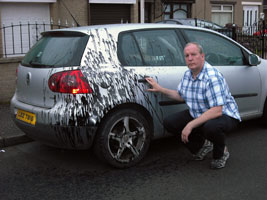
x=220, y=163
x=205, y=149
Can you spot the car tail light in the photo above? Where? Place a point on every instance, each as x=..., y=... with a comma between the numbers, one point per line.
x=72, y=82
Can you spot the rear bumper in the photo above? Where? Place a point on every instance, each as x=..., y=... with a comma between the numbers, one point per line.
x=60, y=136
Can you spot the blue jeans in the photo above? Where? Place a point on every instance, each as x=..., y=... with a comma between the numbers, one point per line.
x=213, y=130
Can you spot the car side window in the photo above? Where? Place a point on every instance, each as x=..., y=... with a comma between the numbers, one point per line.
x=130, y=55
x=151, y=48
x=218, y=50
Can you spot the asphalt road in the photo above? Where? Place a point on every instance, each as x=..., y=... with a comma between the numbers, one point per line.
x=34, y=171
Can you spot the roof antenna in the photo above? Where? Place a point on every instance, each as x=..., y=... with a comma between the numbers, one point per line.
x=70, y=13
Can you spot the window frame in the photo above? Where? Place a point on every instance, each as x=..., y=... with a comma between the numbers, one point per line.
x=223, y=11
x=244, y=52
x=173, y=10
x=120, y=50
x=30, y=59
x=121, y=58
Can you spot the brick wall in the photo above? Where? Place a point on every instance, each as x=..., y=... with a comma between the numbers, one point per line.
x=8, y=78
x=134, y=13
x=78, y=8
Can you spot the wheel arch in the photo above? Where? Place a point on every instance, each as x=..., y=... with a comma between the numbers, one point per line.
x=133, y=106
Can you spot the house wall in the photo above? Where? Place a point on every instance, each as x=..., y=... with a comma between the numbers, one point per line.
x=8, y=78
x=78, y=8
x=239, y=10
x=238, y=14
x=134, y=13
x=158, y=11
x=202, y=9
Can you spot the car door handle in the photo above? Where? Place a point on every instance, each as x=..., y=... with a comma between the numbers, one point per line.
x=143, y=80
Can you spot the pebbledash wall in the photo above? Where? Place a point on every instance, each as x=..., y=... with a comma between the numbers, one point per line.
x=8, y=78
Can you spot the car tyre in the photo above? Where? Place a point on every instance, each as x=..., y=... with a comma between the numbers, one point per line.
x=123, y=138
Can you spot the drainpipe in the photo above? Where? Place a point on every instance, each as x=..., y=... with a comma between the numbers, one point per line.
x=205, y=9
x=142, y=11
x=88, y=14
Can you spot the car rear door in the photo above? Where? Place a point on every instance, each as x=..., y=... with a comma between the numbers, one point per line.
x=156, y=53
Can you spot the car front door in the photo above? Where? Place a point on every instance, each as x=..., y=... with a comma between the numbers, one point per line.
x=244, y=80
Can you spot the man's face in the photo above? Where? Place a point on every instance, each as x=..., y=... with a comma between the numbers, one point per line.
x=194, y=60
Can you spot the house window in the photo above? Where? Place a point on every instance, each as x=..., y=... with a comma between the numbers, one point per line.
x=177, y=11
x=222, y=14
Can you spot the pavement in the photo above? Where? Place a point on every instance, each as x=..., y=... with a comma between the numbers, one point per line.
x=10, y=134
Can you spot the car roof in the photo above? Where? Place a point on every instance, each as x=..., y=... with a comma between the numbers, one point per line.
x=120, y=27
x=189, y=21
x=115, y=29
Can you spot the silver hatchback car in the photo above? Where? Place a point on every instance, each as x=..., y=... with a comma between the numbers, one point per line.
x=85, y=86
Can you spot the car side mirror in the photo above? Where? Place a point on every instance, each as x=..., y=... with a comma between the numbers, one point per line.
x=254, y=60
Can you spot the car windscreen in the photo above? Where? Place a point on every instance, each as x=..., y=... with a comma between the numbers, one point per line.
x=57, y=49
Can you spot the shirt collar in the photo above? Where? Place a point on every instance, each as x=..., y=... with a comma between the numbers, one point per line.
x=201, y=74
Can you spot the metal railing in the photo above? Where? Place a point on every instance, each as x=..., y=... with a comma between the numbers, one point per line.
x=254, y=38
x=16, y=40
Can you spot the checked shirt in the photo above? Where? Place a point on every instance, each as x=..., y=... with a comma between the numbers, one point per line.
x=208, y=90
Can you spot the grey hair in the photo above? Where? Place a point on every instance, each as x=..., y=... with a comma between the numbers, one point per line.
x=200, y=48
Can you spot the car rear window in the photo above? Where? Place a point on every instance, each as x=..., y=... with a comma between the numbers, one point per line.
x=57, y=49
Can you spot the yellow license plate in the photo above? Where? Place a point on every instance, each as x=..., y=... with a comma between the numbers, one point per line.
x=26, y=117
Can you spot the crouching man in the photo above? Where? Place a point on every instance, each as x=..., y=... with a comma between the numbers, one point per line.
x=212, y=109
